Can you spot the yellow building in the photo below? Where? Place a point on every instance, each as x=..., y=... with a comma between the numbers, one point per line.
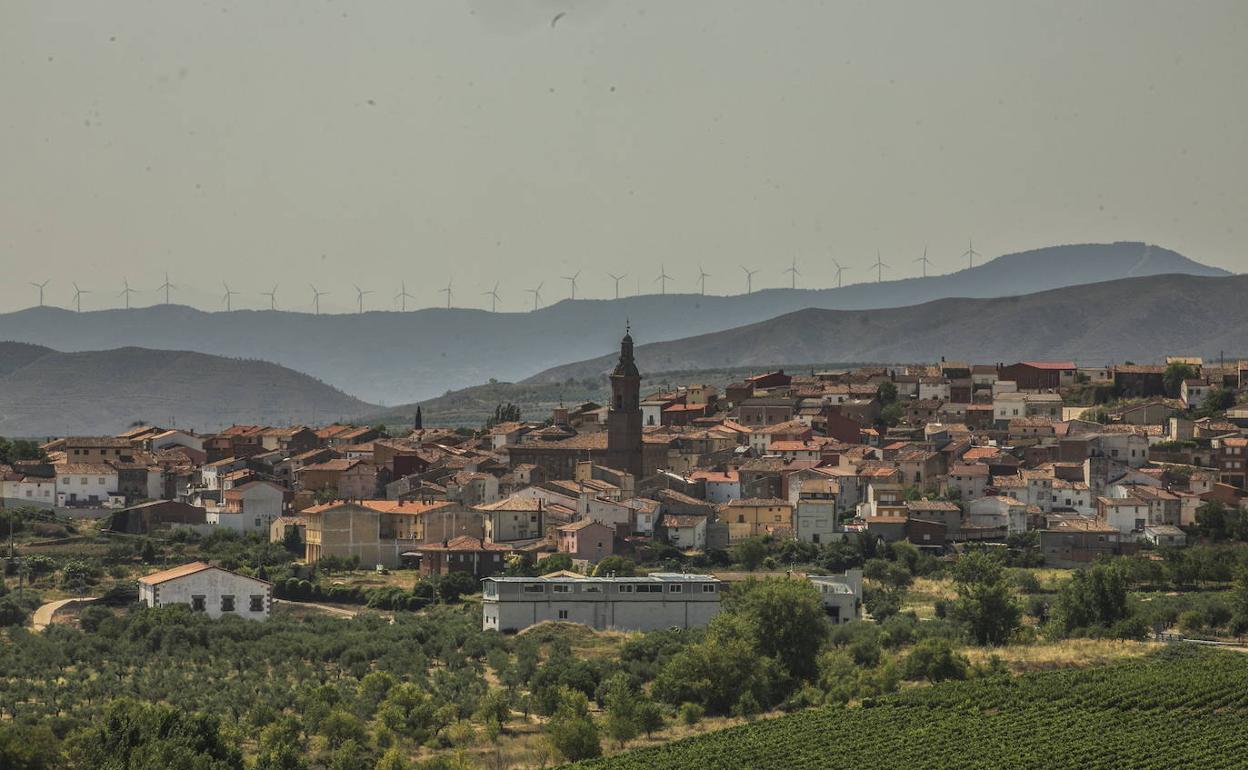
x=381, y=531
x=757, y=516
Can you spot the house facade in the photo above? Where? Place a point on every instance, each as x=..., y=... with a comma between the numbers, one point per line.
x=755, y=517
x=211, y=590
x=841, y=594
x=587, y=540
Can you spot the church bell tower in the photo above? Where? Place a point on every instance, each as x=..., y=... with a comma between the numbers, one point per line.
x=624, y=416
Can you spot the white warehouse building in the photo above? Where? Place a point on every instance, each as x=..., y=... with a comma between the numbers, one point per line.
x=645, y=603
x=211, y=590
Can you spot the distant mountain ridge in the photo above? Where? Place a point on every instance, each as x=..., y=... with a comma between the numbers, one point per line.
x=44, y=392
x=392, y=357
x=1141, y=319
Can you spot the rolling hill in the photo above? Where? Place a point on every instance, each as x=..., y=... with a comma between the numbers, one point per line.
x=1140, y=319
x=391, y=357
x=44, y=392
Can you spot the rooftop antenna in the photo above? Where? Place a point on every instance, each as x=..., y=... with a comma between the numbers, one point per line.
x=126, y=292
x=749, y=279
x=40, y=286
x=537, y=294
x=316, y=298
x=78, y=296
x=572, y=280
x=879, y=268
x=702, y=276
x=359, y=296
x=228, y=297
x=839, y=269
x=493, y=295
x=448, y=291
x=272, y=295
x=971, y=253
x=925, y=261
x=793, y=274
x=617, y=279
x=662, y=279
x=403, y=296
x=166, y=286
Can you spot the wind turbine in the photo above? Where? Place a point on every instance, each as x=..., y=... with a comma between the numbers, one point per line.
x=228, y=297
x=839, y=269
x=925, y=261
x=316, y=298
x=537, y=294
x=879, y=268
x=702, y=276
x=40, y=286
x=166, y=286
x=572, y=280
x=126, y=292
x=448, y=292
x=617, y=279
x=359, y=296
x=793, y=274
x=662, y=279
x=403, y=296
x=749, y=279
x=272, y=295
x=78, y=296
x=493, y=295
x=971, y=253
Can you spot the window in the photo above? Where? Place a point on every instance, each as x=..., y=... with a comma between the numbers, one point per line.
x=257, y=603
x=708, y=588
x=593, y=589
x=533, y=588
x=675, y=589
x=561, y=588
x=197, y=603
x=227, y=603
x=624, y=588
x=563, y=614
x=643, y=588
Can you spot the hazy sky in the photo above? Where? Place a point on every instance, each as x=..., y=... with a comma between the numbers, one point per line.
x=371, y=142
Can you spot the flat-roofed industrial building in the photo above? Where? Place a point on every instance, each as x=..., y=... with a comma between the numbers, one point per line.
x=647, y=603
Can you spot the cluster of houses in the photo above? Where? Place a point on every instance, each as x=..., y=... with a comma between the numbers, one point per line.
x=937, y=455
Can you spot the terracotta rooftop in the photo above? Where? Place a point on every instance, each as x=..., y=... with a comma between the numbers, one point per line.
x=174, y=573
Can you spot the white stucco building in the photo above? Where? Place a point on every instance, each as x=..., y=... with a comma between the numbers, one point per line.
x=841, y=594
x=250, y=507
x=658, y=600
x=89, y=484
x=999, y=512
x=212, y=590
x=17, y=489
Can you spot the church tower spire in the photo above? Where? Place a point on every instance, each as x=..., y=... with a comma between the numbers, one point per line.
x=624, y=416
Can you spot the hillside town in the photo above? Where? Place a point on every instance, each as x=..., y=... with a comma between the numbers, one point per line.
x=937, y=455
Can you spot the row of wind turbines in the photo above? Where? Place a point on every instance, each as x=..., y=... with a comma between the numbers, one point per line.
x=402, y=296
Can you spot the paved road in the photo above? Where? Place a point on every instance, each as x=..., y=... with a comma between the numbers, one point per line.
x=43, y=616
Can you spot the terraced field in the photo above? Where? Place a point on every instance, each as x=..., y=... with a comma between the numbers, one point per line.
x=1176, y=708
